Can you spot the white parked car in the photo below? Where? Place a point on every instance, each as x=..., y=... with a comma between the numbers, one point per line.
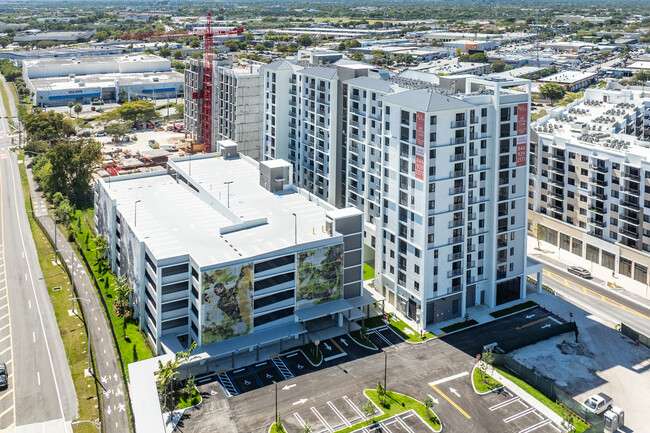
x=598, y=403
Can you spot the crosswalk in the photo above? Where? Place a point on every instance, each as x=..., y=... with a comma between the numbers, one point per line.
x=282, y=368
x=227, y=384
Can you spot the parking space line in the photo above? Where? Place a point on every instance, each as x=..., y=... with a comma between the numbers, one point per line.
x=403, y=424
x=536, y=426
x=338, y=413
x=337, y=345
x=378, y=334
x=555, y=320
x=6, y=394
x=451, y=402
x=10, y=408
x=299, y=418
x=519, y=415
x=504, y=403
x=320, y=417
x=354, y=407
x=447, y=379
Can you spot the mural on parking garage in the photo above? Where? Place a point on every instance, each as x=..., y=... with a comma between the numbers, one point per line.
x=102, y=206
x=320, y=276
x=226, y=303
x=130, y=249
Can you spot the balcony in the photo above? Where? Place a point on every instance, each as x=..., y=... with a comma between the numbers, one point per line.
x=475, y=168
x=556, y=194
x=557, y=156
x=629, y=204
x=471, y=264
x=473, y=120
x=456, y=288
x=471, y=217
x=477, y=135
x=628, y=233
x=456, y=223
x=599, y=168
x=455, y=256
x=597, y=222
x=457, y=190
x=456, y=206
x=456, y=239
x=457, y=157
x=599, y=182
x=458, y=140
x=471, y=248
x=556, y=168
x=598, y=210
x=630, y=219
x=557, y=180
x=454, y=273
x=473, y=152
x=459, y=124
x=598, y=195
x=629, y=175
x=626, y=189
x=457, y=173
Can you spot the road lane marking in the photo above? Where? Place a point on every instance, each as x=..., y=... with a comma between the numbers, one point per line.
x=532, y=323
x=6, y=411
x=337, y=346
x=3, y=339
x=338, y=413
x=447, y=379
x=34, y=336
x=591, y=293
x=443, y=395
x=320, y=417
x=536, y=426
x=9, y=392
x=38, y=375
x=2, y=353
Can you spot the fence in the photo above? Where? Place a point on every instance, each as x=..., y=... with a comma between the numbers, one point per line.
x=540, y=335
x=635, y=335
x=550, y=390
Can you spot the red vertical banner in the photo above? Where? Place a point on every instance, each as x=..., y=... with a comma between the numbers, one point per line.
x=522, y=119
x=521, y=151
x=419, y=128
x=419, y=163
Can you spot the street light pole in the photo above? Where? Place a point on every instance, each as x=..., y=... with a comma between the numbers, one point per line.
x=295, y=227
x=228, y=184
x=385, y=369
x=135, y=212
x=276, y=402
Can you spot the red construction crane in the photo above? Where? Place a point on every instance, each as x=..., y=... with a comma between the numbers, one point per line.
x=206, y=93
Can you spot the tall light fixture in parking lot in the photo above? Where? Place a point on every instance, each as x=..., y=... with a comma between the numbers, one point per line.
x=135, y=212
x=385, y=369
x=228, y=184
x=295, y=227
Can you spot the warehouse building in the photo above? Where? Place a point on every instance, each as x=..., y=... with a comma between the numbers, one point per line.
x=230, y=254
x=57, y=81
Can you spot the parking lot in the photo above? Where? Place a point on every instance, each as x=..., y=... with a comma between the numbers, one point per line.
x=331, y=397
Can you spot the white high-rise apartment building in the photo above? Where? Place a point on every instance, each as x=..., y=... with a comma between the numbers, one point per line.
x=236, y=107
x=302, y=121
x=442, y=177
x=590, y=180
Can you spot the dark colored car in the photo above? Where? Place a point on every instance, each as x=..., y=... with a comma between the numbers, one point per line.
x=3, y=375
x=581, y=272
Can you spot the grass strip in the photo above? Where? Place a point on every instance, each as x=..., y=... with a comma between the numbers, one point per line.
x=400, y=327
x=458, y=326
x=190, y=400
x=5, y=102
x=484, y=382
x=73, y=333
x=132, y=343
x=578, y=423
x=513, y=309
x=368, y=272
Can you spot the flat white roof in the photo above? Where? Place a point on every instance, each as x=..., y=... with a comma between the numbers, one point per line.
x=174, y=221
x=106, y=80
x=568, y=77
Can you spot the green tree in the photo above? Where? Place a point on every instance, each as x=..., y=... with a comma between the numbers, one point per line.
x=165, y=52
x=70, y=105
x=101, y=36
x=498, y=66
x=552, y=91
x=77, y=109
x=233, y=44
x=357, y=56
x=642, y=76
x=381, y=392
x=63, y=210
x=71, y=164
x=478, y=58
x=540, y=233
x=369, y=409
x=121, y=304
x=167, y=378
x=428, y=404
x=138, y=111
x=195, y=44
x=118, y=129
x=197, y=56
x=305, y=40
x=47, y=126
x=178, y=54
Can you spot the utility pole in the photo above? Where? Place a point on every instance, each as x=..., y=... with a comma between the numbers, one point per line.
x=385, y=369
x=295, y=227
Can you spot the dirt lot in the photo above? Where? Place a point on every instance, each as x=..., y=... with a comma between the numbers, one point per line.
x=142, y=142
x=603, y=360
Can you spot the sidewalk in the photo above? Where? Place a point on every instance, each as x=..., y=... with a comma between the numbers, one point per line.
x=109, y=372
x=634, y=290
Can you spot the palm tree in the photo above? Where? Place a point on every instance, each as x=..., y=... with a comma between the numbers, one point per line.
x=166, y=377
x=70, y=105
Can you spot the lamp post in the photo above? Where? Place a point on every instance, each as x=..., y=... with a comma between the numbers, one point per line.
x=385, y=369
x=228, y=184
x=295, y=227
x=135, y=212
x=276, y=401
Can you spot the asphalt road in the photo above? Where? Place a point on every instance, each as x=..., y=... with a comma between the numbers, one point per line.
x=109, y=373
x=591, y=295
x=30, y=344
x=410, y=370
